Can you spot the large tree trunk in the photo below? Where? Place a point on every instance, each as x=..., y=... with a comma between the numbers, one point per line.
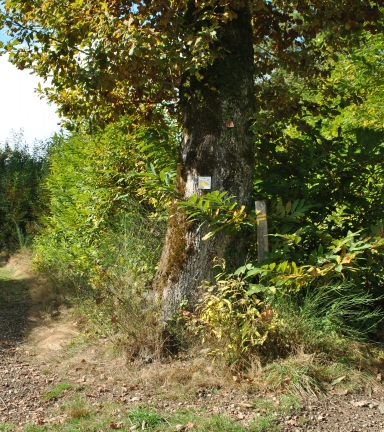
x=211, y=148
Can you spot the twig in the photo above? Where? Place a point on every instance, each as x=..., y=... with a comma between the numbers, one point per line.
x=2, y=400
x=167, y=421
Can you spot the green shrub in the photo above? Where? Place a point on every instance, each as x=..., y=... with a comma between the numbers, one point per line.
x=98, y=182
x=102, y=240
x=22, y=200
x=232, y=318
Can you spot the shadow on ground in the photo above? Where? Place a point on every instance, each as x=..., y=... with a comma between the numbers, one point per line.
x=31, y=316
x=14, y=306
x=23, y=298
x=4, y=257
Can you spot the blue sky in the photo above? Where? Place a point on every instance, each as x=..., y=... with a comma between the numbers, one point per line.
x=3, y=36
x=20, y=106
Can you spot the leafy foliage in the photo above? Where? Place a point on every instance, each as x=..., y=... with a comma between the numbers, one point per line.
x=107, y=59
x=239, y=320
x=231, y=313
x=321, y=174
x=359, y=76
x=22, y=200
x=102, y=240
x=94, y=193
x=219, y=210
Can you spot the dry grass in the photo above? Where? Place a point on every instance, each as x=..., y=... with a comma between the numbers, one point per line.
x=301, y=373
x=20, y=263
x=78, y=409
x=192, y=374
x=306, y=375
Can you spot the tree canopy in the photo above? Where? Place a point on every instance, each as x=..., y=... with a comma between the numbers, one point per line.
x=106, y=58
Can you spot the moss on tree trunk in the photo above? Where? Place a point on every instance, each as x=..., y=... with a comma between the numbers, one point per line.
x=217, y=142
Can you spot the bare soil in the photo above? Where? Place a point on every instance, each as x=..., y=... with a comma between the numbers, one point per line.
x=42, y=348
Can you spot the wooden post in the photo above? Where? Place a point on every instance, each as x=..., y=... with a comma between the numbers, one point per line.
x=262, y=229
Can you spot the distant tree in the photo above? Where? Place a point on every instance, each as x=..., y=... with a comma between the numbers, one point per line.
x=21, y=197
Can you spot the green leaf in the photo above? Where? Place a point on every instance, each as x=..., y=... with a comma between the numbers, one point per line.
x=209, y=235
x=192, y=199
x=256, y=288
x=294, y=205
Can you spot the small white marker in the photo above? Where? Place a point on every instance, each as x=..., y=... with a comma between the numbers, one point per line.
x=204, y=182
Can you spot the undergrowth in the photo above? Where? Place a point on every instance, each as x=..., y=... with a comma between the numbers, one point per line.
x=304, y=344
x=300, y=320
x=113, y=293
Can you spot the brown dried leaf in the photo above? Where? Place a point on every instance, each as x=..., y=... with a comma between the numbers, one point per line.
x=116, y=425
x=267, y=315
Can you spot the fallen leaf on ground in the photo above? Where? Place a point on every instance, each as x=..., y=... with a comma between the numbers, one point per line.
x=360, y=403
x=337, y=380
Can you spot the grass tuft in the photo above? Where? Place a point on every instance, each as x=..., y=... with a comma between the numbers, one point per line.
x=144, y=418
x=57, y=391
x=78, y=408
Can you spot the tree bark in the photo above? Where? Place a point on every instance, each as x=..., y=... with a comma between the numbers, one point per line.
x=223, y=97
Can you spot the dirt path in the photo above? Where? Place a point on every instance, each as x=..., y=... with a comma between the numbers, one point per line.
x=53, y=378
x=14, y=307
